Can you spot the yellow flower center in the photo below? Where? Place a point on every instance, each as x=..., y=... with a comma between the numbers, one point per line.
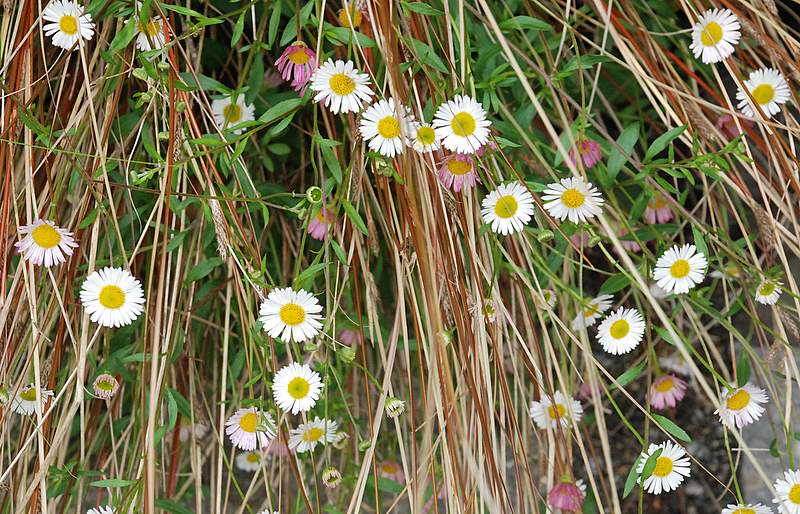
x=292, y=314
x=232, y=113
x=313, y=434
x=298, y=388
x=111, y=297
x=46, y=236
x=506, y=207
x=426, y=135
x=463, y=124
x=298, y=55
x=739, y=400
x=68, y=25
x=663, y=467
x=253, y=457
x=664, y=386
x=556, y=411
x=389, y=127
x=619, y=329
x=679, y=268
x=657, y=202
x=152, y=29
x=744, y=510
x=458, y=167
x=591, y=310
x=341, y=84
x=355, y=16
x=712, y=34
x=767, y=289
x=763, y=94
x=794, y=494
x=572, y=198
x=249, y=422
x=29, y=395
x=105, y=385
x=389, y=468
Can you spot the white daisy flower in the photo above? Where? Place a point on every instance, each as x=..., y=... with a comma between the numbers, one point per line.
x=305, y=437
x=44, y=242
x=768, y=292
x=769, y=90
x=750, y=508
x=228, y=114
x=199, y=430
x=341, y=87
x=296, y=387
x=101, y=510
x=573, y=198
x=461, y=125
x=621, y=331
x=672, y=466
x=112, y=297
x=679, y=269
x=741, y=406
x=592, y=311
x=714, y=36
x=423, y=138
x=151, y=34
x=549, y=298
x=508, y=208
x=27, y=399
x=67, y=23
x=788, y=489
x=291, y=315
x=249, y=461
x=250, y=428
x=559, y=410
x=385, y=125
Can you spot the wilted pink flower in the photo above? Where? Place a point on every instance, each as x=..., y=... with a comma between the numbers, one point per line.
x=567, y=495
x=630, y=245
x=391, y=470
x=667, y=391
x=727, y=125
x=318, y=227
x=491, y=145
x=349, y=337
x=585, y=390
x=457, y=172
x=589, y=152
x=658, y=210
x=296, y=64
x=277, y=448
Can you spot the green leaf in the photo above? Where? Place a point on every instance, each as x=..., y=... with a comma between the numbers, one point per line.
x=671, y=428
x=426, y=55
x=112, y=482
x=332, y=163
x=525, y=23
x=662, y=141
x=352, y=213
x=421, y=8
x=203, y=269
x=274, y=22
x=616, y=159
x=280, y=110
x=205, y=83
x=629, y=376
x=699, y=241
x=615, y=283
x=650, y=465
x=171, y=506
x=630, y=482
x=238, y=29
x=339, y=251
x=305, y=278
x=743, y=369
x=172, y=410
x=124, y=37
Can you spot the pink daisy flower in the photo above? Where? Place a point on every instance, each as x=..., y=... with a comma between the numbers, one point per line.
x=349, y=337
x=658, y=210
x=318, y=227
x=457, y=172
x=580, y=238
x=667, y=391
x=727, y=125
x=567, y=495
x=296, y=64
x=490, y=146
x=391, y=470
x=589, y=151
